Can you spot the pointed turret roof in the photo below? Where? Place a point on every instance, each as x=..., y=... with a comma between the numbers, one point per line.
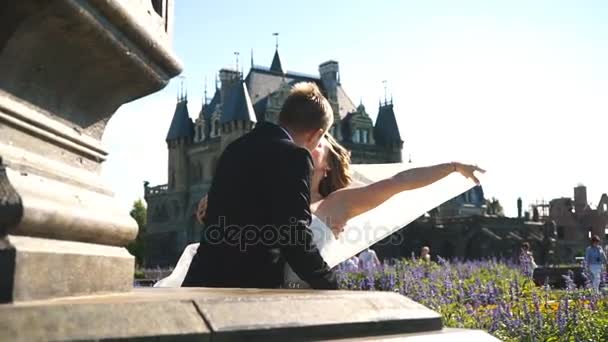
x=237, y=105
x=181, y=125
x=386, y=131
x=276, y=65
x=209, y=108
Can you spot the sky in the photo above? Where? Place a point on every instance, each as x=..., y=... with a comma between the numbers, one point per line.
x=519, y=88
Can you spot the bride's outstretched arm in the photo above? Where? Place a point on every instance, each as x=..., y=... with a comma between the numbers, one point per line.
x=347, y=203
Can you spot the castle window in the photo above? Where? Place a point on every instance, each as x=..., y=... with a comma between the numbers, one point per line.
x=357, y=136
x=216, y=128
x=365, y=136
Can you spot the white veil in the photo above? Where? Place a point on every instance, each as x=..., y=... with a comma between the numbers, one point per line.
x=402, y=209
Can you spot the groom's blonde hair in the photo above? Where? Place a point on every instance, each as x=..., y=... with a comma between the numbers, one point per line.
x=306, y=109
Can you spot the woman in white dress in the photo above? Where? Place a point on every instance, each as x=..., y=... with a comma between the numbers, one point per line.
x=335, y=200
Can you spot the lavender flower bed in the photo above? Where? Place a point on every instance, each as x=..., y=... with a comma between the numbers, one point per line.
x=494, y=296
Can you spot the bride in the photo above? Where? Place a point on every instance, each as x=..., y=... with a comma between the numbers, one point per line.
x=335, y=199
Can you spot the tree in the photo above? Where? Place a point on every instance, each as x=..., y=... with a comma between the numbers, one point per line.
x=136, y=248
x=493, y=207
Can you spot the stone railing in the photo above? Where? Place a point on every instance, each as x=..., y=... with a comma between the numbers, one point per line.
x=156, y=190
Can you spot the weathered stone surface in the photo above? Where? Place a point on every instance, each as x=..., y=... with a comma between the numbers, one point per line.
x=313, y=315
x=171, y=320
x=81, y=60
x=58, y=210
x=34, y=268
x=228, y=315
x=66, y=66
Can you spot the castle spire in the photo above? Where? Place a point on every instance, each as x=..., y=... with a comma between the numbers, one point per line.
x=251, y=57
x=180, y=90
x=184, y=89
x=276, y=65
x=205, y=99
x=276, y=34
x=385, y=97
x=236, y=54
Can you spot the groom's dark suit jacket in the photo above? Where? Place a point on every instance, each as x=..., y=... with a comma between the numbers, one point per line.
x=258, y=215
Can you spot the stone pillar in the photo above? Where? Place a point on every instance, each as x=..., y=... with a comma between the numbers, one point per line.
x=66, y=67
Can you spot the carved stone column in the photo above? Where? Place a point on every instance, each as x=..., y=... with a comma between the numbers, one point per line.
x=66, y=66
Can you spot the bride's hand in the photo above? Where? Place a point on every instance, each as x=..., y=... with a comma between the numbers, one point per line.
x=201, y=210
x=468, y=171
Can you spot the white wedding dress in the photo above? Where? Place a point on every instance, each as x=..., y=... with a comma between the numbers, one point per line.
x=321, y=236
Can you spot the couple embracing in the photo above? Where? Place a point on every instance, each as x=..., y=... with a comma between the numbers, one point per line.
x=281, y=188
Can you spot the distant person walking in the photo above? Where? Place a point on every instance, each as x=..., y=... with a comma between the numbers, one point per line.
x=425, y=254
x=595, y=259
x=351, y=265
x=526, y=260
x=368, y=259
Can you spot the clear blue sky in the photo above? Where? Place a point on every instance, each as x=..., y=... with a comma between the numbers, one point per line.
x=518, y=87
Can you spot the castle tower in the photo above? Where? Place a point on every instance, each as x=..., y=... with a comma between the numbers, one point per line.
x=386, y=132
x=179, y=137
x=228, y=78
x=330, y=77
x=580, y=198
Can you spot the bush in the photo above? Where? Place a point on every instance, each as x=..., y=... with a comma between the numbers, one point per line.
x=139, y=274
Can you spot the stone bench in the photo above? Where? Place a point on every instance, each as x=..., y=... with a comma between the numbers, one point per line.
x=204, y=314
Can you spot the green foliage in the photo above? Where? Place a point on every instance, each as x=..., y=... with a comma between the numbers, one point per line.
x=139, y=274
x=137, y=247
x=493, y=207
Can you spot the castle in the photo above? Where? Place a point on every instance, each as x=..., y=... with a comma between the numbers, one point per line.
x=237, y=104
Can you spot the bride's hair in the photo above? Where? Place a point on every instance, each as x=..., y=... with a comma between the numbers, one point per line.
x=338, y=161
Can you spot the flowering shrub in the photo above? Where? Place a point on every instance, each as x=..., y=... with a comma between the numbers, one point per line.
x=491, y=295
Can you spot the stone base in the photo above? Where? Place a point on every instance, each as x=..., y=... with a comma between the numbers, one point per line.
x=228, y=314
x=36, y=268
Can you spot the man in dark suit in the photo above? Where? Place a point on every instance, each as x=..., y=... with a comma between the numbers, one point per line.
x=258, y=209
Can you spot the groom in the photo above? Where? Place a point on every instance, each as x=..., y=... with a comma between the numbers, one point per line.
x=258, y=209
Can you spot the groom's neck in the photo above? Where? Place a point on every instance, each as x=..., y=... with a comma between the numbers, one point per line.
x=298, y=138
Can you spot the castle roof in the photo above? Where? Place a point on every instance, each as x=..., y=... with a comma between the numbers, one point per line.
x=276, y=63
x=386, y=131
x=250, y=100
x=261, y=82
x=209, y=108
x=238, y=106
x=181, y=124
